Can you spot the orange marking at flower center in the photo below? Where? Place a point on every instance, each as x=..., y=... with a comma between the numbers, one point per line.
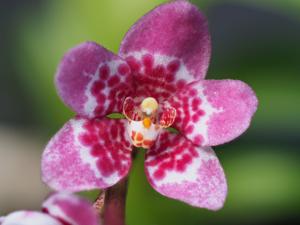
x=147, y=122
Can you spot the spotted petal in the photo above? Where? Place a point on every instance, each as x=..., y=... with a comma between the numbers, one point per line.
x=168, y=116
x=71, y=209
x=178, y=169
x=213, y=112
x=87, y=154
x=29, y=218
x=92, y=80
x=167, y=48
x=131, y=110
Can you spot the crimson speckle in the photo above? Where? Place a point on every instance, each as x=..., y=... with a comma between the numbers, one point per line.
x=198, y=139
x=189, y=129
x=113, y=81
x=133, y=63
x=123, y=69
x=183, y=162
x=170, y=77
x=97, y=87
x=148, y=60
x=180, y=84
x=159, y=71
x=159, y=174
x=195, y=117
x=101, y=98
x=193, y=92
x=173, y=66
x=196, y=103
x=104, y=72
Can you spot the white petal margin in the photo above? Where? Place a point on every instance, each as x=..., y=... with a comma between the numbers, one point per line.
x=178, y=169
x=71, y=209
x=29, y=218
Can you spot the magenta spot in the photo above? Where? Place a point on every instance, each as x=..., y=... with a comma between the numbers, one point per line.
x=96, y=150
x=182, y=163
x=97, y=87
x=165, y=94
x=193, y=92
x=104, y=72
x=180, y=84
x=99, y=110
x=148, y=60
x=196, y=103
x=114, y=130
x=170, y=77
x=88, y=139
x=105, y=165
x=173, y=66
x=113, y=81
x=201, y=112
x=189, y=129
x=159, y=174
x=195, y=118
x=123, y=69
x=101, y=98
x=158, y=71
x=198, y=140
x=133, y=63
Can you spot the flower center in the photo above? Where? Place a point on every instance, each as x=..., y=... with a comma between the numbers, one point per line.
x=144, y=125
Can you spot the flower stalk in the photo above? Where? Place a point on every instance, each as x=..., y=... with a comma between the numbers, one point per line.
x=111, y=204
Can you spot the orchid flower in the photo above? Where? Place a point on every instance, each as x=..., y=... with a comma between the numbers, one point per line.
x=157, y=82
x=58, y=209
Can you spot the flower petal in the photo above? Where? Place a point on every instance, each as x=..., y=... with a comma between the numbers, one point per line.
x=177, y=29
x=71, y=209
x=87, y=154
x=168, y=116
x=29, y=218
x=93, y=81
x=178, y=169
x=214, y=112
x=131, y=110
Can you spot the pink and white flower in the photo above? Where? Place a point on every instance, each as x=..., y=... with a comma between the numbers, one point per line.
x=58, y=209
x=157, y=81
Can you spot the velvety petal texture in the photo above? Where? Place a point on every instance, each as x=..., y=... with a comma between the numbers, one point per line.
x=93, y=81
x=214, y=112
x=71, y=209
x=30, y=218
x=178, y=169
x=87, y=154
x=177, y=29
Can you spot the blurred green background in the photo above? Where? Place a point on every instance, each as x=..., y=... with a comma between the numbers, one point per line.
x=257, y=41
